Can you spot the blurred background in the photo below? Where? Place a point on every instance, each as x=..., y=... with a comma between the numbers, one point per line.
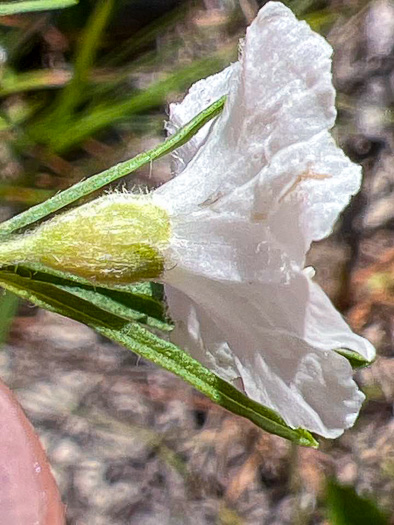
x=88, y=86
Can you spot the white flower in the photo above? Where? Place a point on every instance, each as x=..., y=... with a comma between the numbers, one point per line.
x=228, y=235
x=253, y=190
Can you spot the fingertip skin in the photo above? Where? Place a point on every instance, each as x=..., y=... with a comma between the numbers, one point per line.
x=28, y=491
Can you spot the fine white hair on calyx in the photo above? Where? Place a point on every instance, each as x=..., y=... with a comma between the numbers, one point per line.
x=116, y=238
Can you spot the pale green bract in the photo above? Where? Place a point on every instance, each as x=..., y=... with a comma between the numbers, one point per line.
x=115, y=240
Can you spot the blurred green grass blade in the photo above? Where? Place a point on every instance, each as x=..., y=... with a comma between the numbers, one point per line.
x=4, y=124
x=96, y=182
x=134, y=337
x=41, y=79
x=151, y=97
x=346, y=507
x=103, y=82
x=319, y=20
x=11, y=120
x=299, y=7
x=8, y=306
x=145, y=36
x=21, y=194
x=24, y=6
x=65, y=134
x=86, y=54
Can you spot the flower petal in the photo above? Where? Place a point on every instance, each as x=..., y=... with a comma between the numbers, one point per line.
x=201, y=95
x=281, y=347
x=308, y=207
x=263, y=182
x=285, y=94
x=282, y=95
x=218, y=246
x=325, y=327
x=298, y=195
x=210, y=349
x=310, y=389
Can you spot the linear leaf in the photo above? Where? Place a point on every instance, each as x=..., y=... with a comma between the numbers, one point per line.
x=92, y=36
x=356, y=360
x=31, y=80
x=140, y=303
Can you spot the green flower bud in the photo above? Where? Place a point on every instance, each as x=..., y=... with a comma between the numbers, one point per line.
x=116, y=239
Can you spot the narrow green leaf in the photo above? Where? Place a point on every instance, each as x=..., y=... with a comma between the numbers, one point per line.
x=356, y=360
x=149, y=293
x=134, y=337
x=96, y=182
x=31, y=80
x=132, y=303
x=144, y=36
x=23, y=6
x=8, y=306
x=346, y=507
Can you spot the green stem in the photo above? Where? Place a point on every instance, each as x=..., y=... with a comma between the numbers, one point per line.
x=96, y=182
